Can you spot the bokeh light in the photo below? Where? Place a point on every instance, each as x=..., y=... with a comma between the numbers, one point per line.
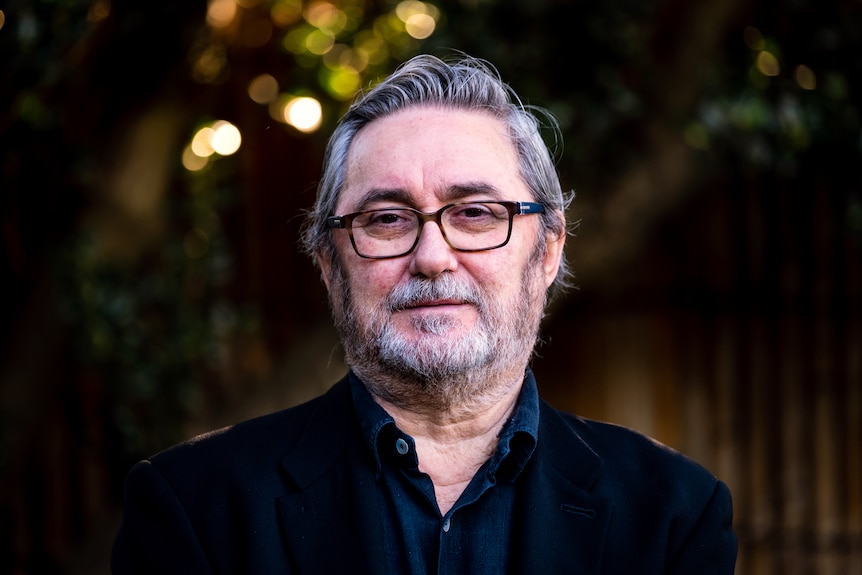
x=220, y=13
x=767, y=64
x=193, y=162
x=263, y=89
x=419, y=18
x=342, y=83
x=201, y=142
x=303, y=113
x=325, y=16
x=220, y=137
x=286, y=12
x=226, y=138
x=319, y=41
x=805, y=77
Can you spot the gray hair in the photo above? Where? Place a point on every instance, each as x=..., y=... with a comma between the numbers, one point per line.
x=466, y=83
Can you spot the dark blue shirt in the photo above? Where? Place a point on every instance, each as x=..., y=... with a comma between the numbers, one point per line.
x=474, y=536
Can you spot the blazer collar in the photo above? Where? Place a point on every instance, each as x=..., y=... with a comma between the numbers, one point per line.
x=560, y=525
x=329, y=516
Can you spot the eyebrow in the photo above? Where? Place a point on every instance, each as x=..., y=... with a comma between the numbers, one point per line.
x=453, y=193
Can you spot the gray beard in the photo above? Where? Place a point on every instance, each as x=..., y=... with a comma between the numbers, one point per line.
x=439, y=371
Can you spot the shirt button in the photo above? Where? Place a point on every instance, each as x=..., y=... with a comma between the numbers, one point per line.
x=401, y=446
x=446, y=523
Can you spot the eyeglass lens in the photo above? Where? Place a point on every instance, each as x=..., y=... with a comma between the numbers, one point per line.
x=466, y=227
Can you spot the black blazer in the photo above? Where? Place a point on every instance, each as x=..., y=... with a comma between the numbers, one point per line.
x=294, y=492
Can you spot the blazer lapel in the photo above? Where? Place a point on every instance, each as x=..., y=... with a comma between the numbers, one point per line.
x=330, y=517
x=560, y=526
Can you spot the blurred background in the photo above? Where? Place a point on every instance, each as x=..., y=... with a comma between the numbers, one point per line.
x=156, y=159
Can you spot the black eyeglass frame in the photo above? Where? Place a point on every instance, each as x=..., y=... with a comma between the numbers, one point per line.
x=513, y=208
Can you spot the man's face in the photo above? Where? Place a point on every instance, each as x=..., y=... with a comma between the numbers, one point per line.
x=438, y=314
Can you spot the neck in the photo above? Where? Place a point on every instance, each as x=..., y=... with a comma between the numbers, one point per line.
x=454, y=423
x=449, y=397
x=453, y=443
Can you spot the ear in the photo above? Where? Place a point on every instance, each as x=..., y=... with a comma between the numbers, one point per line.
x=553, y=253
x=325, y=263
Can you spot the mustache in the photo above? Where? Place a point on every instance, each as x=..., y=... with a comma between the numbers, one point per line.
x=419, y=290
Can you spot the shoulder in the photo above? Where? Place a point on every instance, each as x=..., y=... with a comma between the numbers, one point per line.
x=664, y=504
x=630, y=460
x=253, y=443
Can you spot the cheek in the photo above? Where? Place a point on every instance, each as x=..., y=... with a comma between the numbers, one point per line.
x=371, y=281
x=498, y=271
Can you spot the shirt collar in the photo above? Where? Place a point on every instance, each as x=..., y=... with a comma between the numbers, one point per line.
x=517, y=438
x=372, y=417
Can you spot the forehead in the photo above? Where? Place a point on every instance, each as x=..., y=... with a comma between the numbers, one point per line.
x=426, y=155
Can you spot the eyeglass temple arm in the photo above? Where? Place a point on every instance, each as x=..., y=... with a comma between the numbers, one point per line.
x=335, y=222
x=530, y=208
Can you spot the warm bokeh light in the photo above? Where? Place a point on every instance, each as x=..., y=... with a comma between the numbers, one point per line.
x=226, y=138
x=286, y=12
x=220, y=13
x=220, y=137
x=420, y=26
x=805, y=77
x=767, y=64
x=303, y=113
x=263, y=89
x=325, y=16
x=420, y=18
x=2, y=19
x=201, y=145
x=193, y=162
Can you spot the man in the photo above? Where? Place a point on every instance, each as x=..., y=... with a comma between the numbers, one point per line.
x=439, y=232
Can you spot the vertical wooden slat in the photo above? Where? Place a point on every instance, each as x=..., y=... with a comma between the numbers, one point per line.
x=629, y=400
x=667, y=398
x=827, y=479
x=698, y=405
x=760, y=482
x=794, y=475
x=853, y=442
x=730, y=457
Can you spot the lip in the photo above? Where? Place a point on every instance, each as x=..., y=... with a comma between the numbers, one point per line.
x=437, y=303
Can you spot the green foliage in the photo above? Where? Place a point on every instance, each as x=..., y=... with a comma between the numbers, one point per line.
x=602, y=68
x=138, y=330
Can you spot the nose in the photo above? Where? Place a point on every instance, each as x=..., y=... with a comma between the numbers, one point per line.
x=432, y=255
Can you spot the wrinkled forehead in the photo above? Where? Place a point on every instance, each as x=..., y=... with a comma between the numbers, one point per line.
x=428, y=152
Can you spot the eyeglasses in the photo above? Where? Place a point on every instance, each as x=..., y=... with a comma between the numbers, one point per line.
x=466, y=227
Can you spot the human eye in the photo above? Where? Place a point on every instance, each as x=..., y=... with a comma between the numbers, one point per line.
x=476, y=216
x=386, y=223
